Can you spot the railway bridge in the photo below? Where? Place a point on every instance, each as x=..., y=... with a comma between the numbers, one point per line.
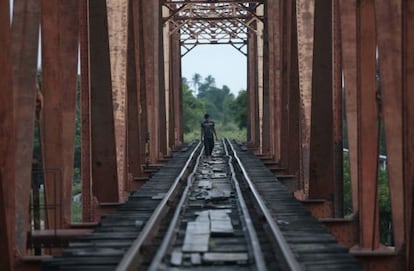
x=319, y=71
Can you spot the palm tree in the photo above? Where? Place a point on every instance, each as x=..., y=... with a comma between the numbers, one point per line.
x=196, y=81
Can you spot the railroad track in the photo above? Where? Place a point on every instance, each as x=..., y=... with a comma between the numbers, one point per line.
x=227, y=212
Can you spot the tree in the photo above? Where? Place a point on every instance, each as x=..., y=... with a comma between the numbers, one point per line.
x=196, y=81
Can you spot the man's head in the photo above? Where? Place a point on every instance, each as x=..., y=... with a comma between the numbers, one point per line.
x=206, y=116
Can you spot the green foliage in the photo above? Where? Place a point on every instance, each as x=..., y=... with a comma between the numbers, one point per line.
x=226, y=110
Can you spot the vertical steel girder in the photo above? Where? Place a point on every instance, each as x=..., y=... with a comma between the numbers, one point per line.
x=253, y=131
x=337, y=100
x=60, y=34
x=367, y=126
x=117, y=13
x=135, y=148
x=104, y=167
x=349, y=60
x=321, y=174
x=153, y=76
x=7, y=144
x=25, y=37
x=294, y=141
x=175, y=90
x=272, y=78
x=305, y=30
x=389, y=33
x=87, y=209
x=408, y=97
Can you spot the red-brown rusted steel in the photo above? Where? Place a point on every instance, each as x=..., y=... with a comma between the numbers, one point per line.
x=321, y=175
x=253, y=132
x=273, y=82
x=134, y=146
x=25, y=36
x=7, y=144
x=286, y=47
x=367, y=126
x=348, y=19
x=294, y=103
x=305, y=32
x=151, y=32
x=389, y=33
x=104, y=166
x=117, y=13
x=408, y=85
x=337, y=111
x=60, y=34
x=69, y=40
x=87, y=207
x=175, y=89
x=267, y=132
x=140, y=78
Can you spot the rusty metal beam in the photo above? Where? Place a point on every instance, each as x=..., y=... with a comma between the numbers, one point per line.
x=140, y=78
x=134, y=145
x=86, y=159
x=389, y=33
x=25, y=36
x=117, y=13
x=253, y=130
x=153, y=76
x=348, y=11
x=7, y=144
x=176, y=93
x=59, y=61
x=294, y=102
x=305, y=28
x=321, y=176
x=367, y=126
x=408, y=85
x=337, y=100
x=272, y=77
x=104, y=167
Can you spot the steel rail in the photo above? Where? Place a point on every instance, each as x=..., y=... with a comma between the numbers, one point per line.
x=254, y=241
x=156, y=262
x=290, y=259
x=130, y=261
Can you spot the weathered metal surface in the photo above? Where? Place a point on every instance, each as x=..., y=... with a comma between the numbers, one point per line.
x=338, y=113
x=139, y=37
x=408, y=85
x=253, y=131
x=85, y=113
x=272, y=75
x=294, y=105
x=134, y=150
x=104, y=165
x=151, y=42
x=367, y=126
x=286, y=69
x=25, y=36
x=7, y=144
x=59, y=70
x=321, y=160
x=305, y=30
x=176, y=93
x=348, y=11
x=389, y=33
x=117, y=13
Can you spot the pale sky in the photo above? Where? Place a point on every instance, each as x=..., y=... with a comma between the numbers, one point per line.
x=225, y=63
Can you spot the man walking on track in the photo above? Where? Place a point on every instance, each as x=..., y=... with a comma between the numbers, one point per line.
x=208, y=132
